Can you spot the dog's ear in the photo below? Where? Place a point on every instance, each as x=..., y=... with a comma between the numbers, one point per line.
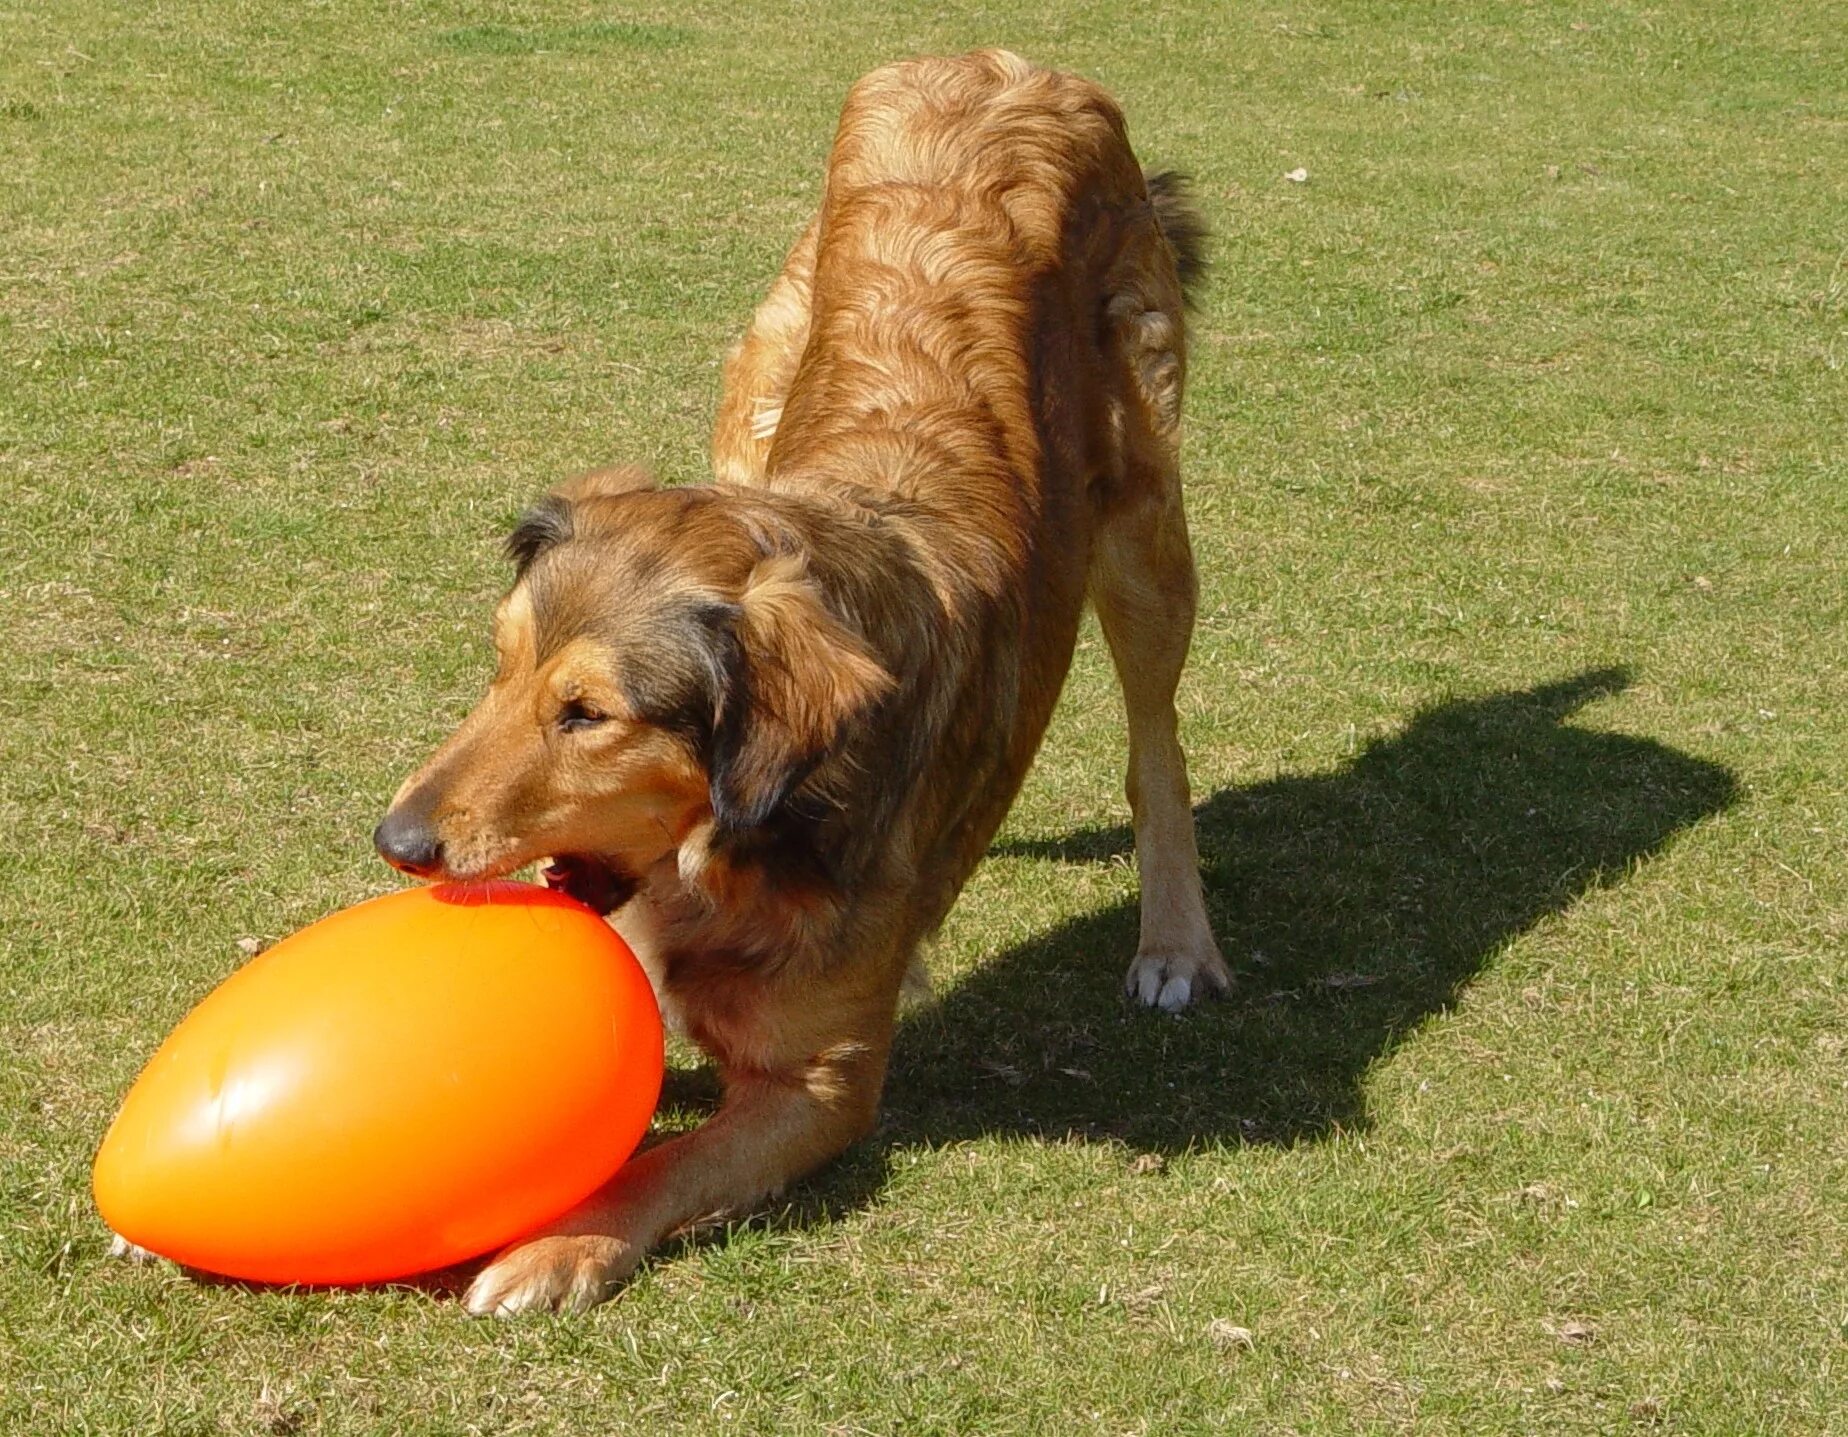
x=793, y=680
x=544, y=526
x=551, y=522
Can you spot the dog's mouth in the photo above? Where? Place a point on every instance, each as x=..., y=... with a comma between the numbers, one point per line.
x=595, y=882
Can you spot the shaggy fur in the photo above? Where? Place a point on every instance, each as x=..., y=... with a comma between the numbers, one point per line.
x=773, y=723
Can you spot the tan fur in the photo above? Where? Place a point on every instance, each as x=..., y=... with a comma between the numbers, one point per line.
x=953, y=419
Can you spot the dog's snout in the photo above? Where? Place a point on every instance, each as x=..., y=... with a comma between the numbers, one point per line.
x=406, y=841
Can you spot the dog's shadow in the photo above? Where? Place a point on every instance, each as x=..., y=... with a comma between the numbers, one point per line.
x=1352, y=905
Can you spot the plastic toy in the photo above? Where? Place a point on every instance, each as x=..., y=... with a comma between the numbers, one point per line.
x=404, y=1084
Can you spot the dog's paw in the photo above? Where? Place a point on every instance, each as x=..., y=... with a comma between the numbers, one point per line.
x=121, y=1247
x=1170, y=979
x=551, y=1274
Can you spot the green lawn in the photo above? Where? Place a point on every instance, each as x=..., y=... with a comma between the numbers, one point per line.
x=1518, y=707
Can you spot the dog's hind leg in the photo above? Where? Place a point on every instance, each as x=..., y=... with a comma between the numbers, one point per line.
x=1142, y=584
x=760, y=367
x=1143, y=587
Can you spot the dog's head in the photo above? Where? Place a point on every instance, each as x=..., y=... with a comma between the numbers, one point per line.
x=665, y=666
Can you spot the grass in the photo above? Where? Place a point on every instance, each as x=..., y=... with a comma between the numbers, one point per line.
x=1516, y=712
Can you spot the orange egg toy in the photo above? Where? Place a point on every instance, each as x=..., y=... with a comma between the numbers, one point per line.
x=404, y=1084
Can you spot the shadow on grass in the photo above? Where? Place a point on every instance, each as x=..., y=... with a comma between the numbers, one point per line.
x=1352, y=905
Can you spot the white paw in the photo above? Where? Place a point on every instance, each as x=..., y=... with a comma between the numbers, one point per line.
x=1171, y=979
x=551, y=1274
x=121, y=1247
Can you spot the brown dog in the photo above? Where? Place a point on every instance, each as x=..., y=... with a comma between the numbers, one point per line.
x=772, y=724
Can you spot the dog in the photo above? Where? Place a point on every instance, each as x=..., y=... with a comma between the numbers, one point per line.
x=770, y=725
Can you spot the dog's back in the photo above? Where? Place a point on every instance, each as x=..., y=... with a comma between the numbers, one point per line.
x=940, y=330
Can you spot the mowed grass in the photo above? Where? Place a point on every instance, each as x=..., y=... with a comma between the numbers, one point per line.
x=1516, y=712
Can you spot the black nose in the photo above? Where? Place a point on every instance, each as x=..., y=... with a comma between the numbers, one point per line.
x=406, y=842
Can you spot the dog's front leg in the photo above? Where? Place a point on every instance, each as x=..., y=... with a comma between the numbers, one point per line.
x=772, y=1128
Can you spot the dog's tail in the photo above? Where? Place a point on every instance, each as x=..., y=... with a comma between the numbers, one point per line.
x=1181, y=224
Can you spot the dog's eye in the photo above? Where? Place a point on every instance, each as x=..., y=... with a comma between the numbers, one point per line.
x=576, y=715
